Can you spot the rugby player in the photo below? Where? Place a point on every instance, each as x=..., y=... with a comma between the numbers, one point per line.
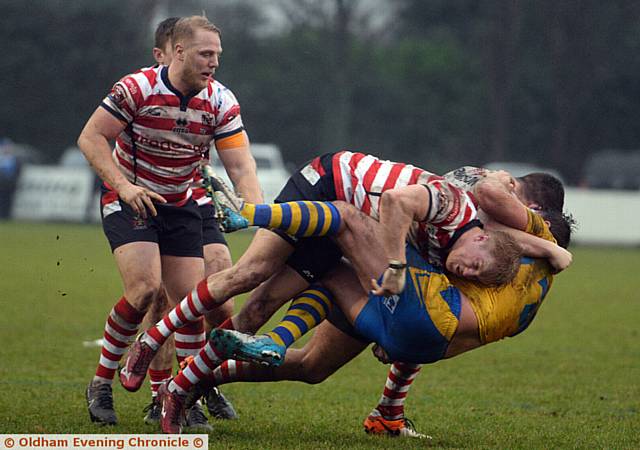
x=189, y=339
x=453, y=210
x=344, y=155
x=445, y=319
x=163, y=120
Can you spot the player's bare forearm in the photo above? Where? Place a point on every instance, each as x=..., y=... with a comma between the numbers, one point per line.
x=241, y=168
x=500, y=203
x=536, y=247
x=398, y=209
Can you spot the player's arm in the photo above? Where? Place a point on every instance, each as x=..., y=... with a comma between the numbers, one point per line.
x=93, y=141
x=398, y=209
x=537, y=247
x=496, y=197
x=235, y=154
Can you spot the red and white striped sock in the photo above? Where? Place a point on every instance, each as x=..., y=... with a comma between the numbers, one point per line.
x=401, y=375
x=157, y=377
x=190, y=309
x=231, y=371
x=119, y=331
x=190, y=339
x=201, y=366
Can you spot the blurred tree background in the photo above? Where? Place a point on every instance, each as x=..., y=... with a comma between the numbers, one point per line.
x=438, y=83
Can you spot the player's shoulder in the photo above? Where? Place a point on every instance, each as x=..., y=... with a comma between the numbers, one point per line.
x=142, y=80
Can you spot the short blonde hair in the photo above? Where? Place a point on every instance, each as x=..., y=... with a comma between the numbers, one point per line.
x=506, y=253
x=185, y=28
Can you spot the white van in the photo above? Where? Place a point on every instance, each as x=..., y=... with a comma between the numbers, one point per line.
x=272, y=173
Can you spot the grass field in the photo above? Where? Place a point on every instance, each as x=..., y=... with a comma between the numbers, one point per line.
x=572, y=380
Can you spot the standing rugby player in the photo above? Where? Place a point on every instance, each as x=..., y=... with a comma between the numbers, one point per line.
x=163, y=120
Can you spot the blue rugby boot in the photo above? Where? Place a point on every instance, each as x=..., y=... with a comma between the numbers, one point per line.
x=244, y=347
x=232, y=221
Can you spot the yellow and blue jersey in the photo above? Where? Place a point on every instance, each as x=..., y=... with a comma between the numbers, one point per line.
x=507, y=310
x=416, y=325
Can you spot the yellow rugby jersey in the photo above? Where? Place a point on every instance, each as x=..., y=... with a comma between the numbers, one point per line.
x=507, y=310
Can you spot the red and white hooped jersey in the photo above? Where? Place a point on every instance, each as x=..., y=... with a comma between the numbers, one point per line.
x=168, y=133
x=359, y=179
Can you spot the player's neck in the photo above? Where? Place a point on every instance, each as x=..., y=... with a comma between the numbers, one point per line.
x=176, y=80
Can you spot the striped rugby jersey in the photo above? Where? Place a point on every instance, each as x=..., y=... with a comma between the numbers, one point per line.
x=360, y=179
x=168, y=133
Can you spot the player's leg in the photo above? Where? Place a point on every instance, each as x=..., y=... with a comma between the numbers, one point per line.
x=139, y=266
x=161, y=366
x=327, y=351
x=312, y=258
x=388, y=417
x=216, y=258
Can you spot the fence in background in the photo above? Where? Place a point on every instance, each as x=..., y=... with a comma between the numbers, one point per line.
x=54, y=193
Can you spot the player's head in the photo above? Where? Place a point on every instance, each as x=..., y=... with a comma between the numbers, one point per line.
x=490, y=257
x=196, y=50
x=162, y=48
x=540, y=190
x=560, y=224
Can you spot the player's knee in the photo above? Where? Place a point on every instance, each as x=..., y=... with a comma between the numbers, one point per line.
x=144, y=293
x=312, y=370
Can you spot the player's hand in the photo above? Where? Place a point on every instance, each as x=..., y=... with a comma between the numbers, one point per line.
x=392, y=283
x=381, y=354
x=560, y=259
x=504, y=178
x=140, y=199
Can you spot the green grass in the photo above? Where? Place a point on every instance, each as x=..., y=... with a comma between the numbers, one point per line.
x=572, y=380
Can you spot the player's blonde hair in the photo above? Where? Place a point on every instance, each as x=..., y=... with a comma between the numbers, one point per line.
x=506, y=253
x=185, y=28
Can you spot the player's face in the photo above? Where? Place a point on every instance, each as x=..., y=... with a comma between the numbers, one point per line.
x=202, y=57
x=469, y=260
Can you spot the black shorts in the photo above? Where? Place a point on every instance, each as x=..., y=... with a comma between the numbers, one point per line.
x=176, y=229
x=211, y=233
x=312, y=257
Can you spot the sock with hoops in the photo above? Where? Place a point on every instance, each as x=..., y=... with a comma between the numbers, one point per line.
x=190, y=338
x=306, y=311
x=190, y=309
x=200, y=368
x=301, y=218
x=399, y=379
x=231, y=371
x=157, y=377
x=119, y=331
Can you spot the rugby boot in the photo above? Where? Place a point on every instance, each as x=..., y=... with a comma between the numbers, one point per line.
x=136, y=365
x=218, y=405
x=100, y=404
x=232, y=221
x=244, y=347
x=377, y=425
x=225, y=195
x=196, y=420
x=172, y=415
x=153, y=411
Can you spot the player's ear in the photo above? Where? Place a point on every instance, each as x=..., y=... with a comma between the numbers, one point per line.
x=178, y=51
x=158, y=55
